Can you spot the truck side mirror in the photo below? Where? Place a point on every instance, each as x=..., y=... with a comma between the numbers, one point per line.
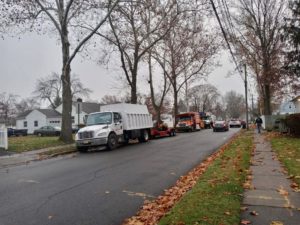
x=85, y=119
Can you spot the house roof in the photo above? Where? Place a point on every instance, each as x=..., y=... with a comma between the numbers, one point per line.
x=296, y=99
x=49, y=113
x=89, y=107
x=24, y=114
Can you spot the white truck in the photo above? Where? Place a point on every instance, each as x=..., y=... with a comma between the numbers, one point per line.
x=114, y=124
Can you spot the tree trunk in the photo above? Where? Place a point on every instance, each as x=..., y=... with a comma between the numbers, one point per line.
x=66, y=127
x=133, y=99
x=267, y=100
x=133, y=83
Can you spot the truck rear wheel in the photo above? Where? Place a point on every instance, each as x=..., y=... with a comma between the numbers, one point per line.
x=144, y=136
x=112, y=141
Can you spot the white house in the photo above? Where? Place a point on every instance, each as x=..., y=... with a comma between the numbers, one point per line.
x=86, y=108
x=34, y=119
x=286, y=108
x=296, y=102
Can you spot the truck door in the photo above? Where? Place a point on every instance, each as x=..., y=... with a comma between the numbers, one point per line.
x=118, y=126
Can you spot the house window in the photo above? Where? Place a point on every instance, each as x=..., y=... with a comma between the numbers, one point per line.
x=36, y=123
x=25, y=123
x=54, y=121
x=73, y=119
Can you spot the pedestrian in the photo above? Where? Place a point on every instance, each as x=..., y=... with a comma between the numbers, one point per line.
x=258, y=122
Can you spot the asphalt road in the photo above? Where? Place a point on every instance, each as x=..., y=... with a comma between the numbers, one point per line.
x=100, y=188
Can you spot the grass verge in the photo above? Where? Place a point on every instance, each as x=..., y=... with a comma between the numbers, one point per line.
x=216, y=197
x=28, y=143
x=288, y=151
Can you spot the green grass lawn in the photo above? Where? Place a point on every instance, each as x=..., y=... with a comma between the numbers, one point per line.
x=288, y=151
x=217, y=196
x=30, y=142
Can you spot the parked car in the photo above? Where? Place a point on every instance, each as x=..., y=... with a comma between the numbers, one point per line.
x=16, y=132
x=235, y=123
x=220, y=125
x=47, y=131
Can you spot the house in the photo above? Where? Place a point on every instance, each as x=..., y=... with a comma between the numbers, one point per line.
x=86, y=108
x=296, y=102
x=286, y=108
x=34, y=119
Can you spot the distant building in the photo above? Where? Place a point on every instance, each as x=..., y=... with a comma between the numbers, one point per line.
x=34, y=119
x=296, y=102
x=286, y=108
x=86, y=108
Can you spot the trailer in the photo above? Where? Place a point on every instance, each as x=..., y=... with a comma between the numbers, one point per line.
x=113, y=125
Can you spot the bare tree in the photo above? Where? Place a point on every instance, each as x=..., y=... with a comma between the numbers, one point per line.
x=27, y=104
x=7, y=108
x=259, y=44
x=67, y=18
x=50, y=89
x=188, y=49
x=110, y=99
x=203, y=97
x=157, y=100
x=234, y=104
x=134, y=28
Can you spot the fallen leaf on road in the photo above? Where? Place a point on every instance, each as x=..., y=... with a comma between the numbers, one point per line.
x=107, y=192
x=276, y=223
x=245, y=222
x=282, y=191
x=244, y=208
x=254, y=213
x=294, y=185
x=247, y=185
x=50, y=217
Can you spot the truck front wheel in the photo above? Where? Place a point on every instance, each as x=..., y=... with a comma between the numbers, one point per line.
x=112, y=141
x=144, y=136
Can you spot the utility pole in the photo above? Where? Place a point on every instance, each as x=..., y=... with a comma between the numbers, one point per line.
x=246, y=96
x=252, y=106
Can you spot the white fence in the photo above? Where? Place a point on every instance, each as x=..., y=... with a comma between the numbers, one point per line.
x=3, y=138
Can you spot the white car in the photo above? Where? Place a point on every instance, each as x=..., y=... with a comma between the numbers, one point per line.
x=235, y=123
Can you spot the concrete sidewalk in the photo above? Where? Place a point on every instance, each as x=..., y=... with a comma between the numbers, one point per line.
x=13, y=159
x=271, y=200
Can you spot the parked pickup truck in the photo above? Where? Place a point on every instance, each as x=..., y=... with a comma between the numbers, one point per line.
x=114, y=124
x=16, y=132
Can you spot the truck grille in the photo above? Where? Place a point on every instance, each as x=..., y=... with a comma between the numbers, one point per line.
x=86, y=134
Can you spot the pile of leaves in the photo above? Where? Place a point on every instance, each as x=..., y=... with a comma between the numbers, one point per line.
x=152, y=211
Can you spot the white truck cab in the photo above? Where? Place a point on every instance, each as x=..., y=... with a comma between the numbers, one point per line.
x=114, y=124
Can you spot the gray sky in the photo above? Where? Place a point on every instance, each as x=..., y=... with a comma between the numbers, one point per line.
x=23, y=61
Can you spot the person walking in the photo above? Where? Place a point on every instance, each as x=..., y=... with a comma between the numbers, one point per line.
x=258, y=122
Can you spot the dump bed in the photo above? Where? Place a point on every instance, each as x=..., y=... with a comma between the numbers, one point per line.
x=134, y=116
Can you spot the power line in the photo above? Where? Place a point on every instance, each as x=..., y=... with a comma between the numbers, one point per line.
x=225, y=36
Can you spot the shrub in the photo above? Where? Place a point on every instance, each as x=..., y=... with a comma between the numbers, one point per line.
x=293, y=123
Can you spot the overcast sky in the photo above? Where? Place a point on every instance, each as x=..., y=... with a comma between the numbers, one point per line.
x=23, y=61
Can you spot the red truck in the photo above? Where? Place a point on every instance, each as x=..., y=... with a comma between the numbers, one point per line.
x=189, y=121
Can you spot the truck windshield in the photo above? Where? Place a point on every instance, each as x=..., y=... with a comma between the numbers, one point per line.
x=99, y=118
x=185, y=118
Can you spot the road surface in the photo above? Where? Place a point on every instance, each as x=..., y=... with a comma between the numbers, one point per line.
x=103, y=187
